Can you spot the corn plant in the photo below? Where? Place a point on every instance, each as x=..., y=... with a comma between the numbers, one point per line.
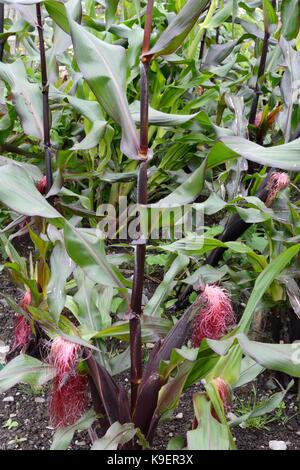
x=119, y=121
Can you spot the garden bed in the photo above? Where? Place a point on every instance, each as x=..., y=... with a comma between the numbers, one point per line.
x=24, y=414
x=171, y=130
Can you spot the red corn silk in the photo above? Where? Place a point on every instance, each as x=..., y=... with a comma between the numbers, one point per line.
x=42, y=185
x=22, y=326
x=63, y=356
x=215, y=316
x=257, y=120
x=277, y=182
x=21, y=333
x=224, y=393
x=68, y=401
x=69, y=396
x=25, y=301
x=225, y=396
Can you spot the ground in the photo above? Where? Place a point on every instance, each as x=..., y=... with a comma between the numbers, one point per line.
x=24, y=420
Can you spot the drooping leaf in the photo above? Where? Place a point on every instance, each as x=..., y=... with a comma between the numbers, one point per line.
x=32, y=170
x=27, y=95
x=117, y=434
x=153, y=329
x=206, y=275
x=211, y=205
x=104, y=67
x=88, y=108
x=27, y=13
x=120, y=362
x=7, y=123
x=290, y=18
x=250, y=369
x=171, y=212
x=281, y=357
x=89, y=255
x=92, y=139
x=120, y=30
x=63, y=436
x=217, y=53
x=178, y=28
x=199, y=245
x=252, y=28
x=219, y=154
x=160, y=119
x=286, y=156
x=25, y=369
x=293, y=293
x=18, y=192
x=187, y=191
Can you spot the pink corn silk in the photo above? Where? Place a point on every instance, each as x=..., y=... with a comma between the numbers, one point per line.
x=63, y=356
x=277, y=182
x=215, y=316
x=224, y=392
x=69, y=401
x=42, y=185
x=22, y=326
x=26, y=300
x=257, y=120
x=21, y=333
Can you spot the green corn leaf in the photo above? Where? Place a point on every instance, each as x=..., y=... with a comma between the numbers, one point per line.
x=178, y=29
x=104, y=67
x=27, y=95
x=19, y=193
x=25, y=369
x=286, y=156
x=63, y=436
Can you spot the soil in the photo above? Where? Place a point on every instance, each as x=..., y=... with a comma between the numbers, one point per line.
x=27, y=409
x=286, y=428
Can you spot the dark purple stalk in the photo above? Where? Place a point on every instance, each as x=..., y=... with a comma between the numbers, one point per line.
x=202, y=48
x=253, y=167
x=45, y=92
x=261, y=71
x=2, y=41
x=217, y=35
x=139, y=267
x=17, y=150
